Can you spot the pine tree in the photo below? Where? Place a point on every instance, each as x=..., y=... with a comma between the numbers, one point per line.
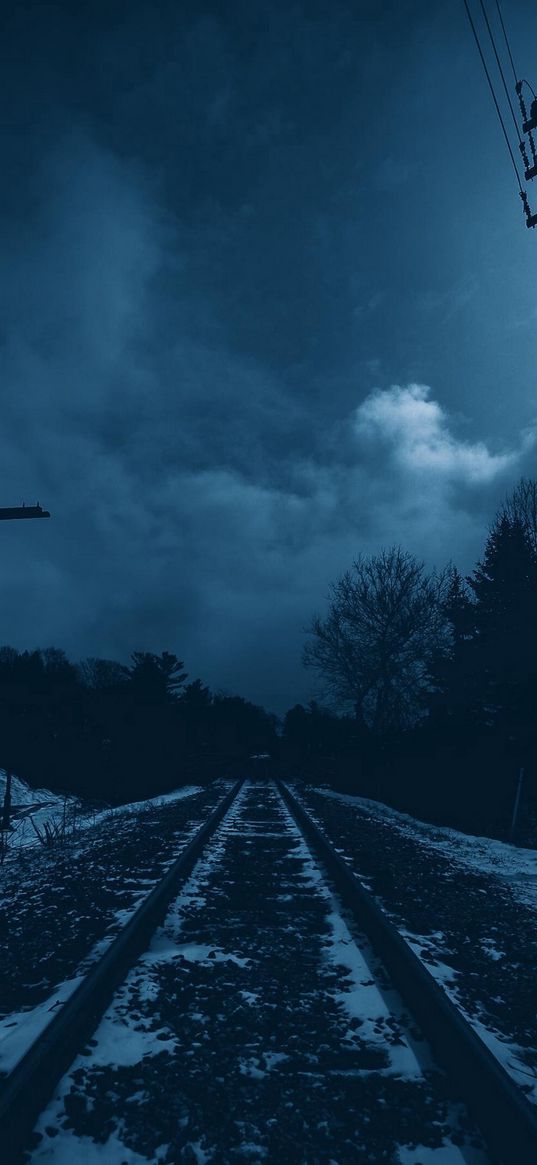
x=452, y=678
x=504, y=648
x=156, y=678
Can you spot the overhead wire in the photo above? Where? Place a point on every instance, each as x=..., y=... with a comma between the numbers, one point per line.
x=506, y=39
x=500, y=67
x=493, y=93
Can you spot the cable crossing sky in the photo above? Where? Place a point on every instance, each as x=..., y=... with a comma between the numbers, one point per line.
x=528, y=123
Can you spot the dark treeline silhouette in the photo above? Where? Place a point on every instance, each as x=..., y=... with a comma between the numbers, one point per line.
x=430, y=680
x=114, y=733
x=438, y=676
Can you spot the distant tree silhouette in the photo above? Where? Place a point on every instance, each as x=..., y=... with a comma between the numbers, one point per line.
x=504, y=647
x=458, y=607
x=157, y=678
x=520, y=507
x=58, y=669
x=373, y=651
x=453, y=687
x=316, y=731
x=442, y=672
x=100, y=674
x=196, y=695
x=118, y=733
x=240, y=727
x=296, y=729
x=195, y=705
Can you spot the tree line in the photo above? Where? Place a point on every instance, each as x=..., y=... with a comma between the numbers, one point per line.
x=430, y=678
x=428, y=695
x=113, y=732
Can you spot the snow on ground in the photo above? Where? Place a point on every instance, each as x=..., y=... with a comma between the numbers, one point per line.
x=22, y=794
x=62, y=907
x=43, y=807
x=254, y=1028
x=514, y=865
x=509, y=1054
x=68, y=1149
x=362, y=997
x=40, y=804
x=465, y=905
x=19, y=1029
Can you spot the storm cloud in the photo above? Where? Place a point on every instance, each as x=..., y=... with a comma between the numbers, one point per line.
x=234, y=353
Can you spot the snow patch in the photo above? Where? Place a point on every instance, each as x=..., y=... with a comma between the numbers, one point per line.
x=486, y=855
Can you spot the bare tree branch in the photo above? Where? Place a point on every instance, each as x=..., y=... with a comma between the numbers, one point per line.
x=386, y=619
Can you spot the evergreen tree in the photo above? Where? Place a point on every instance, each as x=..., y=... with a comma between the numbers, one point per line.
x=452, y=672
x=504, y=647
x=156, y=678
x=196, y=709
x=196, y=695
x=102, y=674
x=521, y=506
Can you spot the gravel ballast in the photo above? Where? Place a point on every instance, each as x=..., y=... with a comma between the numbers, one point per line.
x=469, y=927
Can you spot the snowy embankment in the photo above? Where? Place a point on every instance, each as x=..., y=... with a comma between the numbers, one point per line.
x=517, y=867
x=61, y=906
x=467, y=907
x=34, y=809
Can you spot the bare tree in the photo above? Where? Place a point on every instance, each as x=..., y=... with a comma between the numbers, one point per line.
x=385, y=622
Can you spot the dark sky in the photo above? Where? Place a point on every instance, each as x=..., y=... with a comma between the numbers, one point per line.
x=268, y=301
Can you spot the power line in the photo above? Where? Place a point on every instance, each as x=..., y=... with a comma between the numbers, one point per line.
x=499, y=64
x=507, y=45
x=494, y=98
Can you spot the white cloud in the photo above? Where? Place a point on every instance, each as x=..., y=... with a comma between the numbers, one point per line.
x=416, y=429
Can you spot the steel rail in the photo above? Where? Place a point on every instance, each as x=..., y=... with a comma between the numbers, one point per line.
x=29, y=1087
x=506, y=1119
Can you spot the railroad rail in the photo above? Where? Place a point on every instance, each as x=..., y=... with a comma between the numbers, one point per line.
x=507, y=1121
x=28, y=1088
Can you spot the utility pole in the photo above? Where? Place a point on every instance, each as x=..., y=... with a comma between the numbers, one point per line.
x=6, y=825
x=516, y=805
x=8, y=514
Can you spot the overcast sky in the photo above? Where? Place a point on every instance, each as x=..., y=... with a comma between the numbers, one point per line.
x=267, y=301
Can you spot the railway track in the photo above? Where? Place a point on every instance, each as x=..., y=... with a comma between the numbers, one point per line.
x=242, y=1015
